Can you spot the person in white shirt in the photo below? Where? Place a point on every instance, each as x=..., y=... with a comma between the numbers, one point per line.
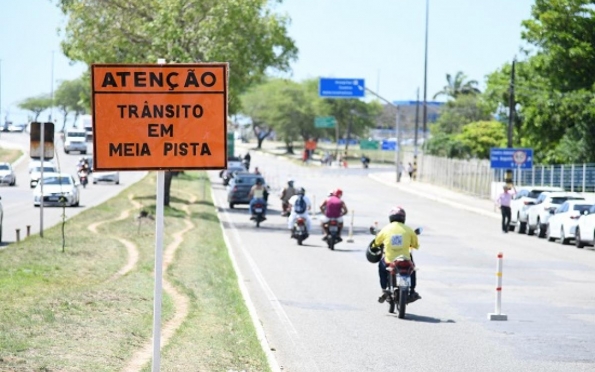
x=503, y=202
x=299, y=205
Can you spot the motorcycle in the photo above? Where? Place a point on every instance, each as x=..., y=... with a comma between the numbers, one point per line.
x=299, y=230
x=332, y=226
x=83, y=179
x=246, y=164
x=258, y=213
x=399, y=280
x=365, y=162
x=285, y=209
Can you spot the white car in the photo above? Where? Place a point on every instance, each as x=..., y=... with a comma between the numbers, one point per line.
x=522, y=200
x=75, y=140
x=106, y=177
x=58, y=189
x=563, y=222
x=538, y=215
x=37, y=163
x=585, y=230
x=35, y=173
x=7, y=176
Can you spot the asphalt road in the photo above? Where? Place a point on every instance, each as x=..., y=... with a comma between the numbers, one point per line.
x=319, y=310
x=17, y=201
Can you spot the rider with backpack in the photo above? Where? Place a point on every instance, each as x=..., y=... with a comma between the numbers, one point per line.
x=299, y=205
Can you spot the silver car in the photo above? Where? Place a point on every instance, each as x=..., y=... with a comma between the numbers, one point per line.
x=7, y=176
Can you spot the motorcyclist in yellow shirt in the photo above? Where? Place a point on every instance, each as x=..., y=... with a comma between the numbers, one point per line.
x=396, y=238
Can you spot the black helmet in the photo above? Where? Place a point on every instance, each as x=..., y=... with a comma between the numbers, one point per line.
x=301, y=191
x=259, y=181
x=397, y=214
x=373, y=254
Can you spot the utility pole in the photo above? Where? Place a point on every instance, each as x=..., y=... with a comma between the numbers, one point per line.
x=1, y=93
x=415, y=136
x=425, y=117
x=508, y=177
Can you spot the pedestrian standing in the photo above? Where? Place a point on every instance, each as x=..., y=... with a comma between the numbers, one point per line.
x=503, y=202
x=400, y=170
x=410, y=171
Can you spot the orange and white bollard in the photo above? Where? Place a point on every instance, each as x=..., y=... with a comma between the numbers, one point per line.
x=350, y=237
x=497, y=315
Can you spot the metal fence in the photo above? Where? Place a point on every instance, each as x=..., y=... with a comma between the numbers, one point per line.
x=475, y=177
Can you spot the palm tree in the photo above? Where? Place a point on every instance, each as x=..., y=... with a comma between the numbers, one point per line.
x=458, y=86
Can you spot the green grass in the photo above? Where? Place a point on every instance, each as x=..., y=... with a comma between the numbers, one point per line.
x=62, y=312
x=9, y=155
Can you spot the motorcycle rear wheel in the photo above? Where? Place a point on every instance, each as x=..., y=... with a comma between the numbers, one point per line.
x=402, y=305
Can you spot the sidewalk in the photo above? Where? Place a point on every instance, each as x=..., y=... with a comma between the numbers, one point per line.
x=439, y=194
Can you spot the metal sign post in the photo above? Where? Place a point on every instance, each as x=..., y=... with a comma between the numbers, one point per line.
x=41, y=179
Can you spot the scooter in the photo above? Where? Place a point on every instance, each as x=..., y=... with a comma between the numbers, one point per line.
x=332, y=226
x=399, y=279
x=258, y=213
x=299, y=231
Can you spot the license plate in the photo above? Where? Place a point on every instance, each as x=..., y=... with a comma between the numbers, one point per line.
x=258, y=210
x=403, y=281
x=333, y=229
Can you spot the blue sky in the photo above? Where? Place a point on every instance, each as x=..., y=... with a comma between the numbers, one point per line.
x=381, y=41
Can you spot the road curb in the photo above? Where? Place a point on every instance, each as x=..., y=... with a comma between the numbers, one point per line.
x=260, y=334
x=438, y=199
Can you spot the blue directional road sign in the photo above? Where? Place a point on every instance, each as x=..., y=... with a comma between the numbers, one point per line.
x=389, y=145
x=511, y=158
x=341, y=88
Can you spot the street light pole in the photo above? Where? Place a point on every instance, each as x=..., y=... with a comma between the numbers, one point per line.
x=425, y=118
x=397, y=130
x=52, y=89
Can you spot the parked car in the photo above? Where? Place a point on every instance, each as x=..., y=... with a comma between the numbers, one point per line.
x=35, y=173
x=538, y=215
x=585, y=229
x=239, y=188
x=106, y=177
x=234, y=162
x=522, y=200
x=7, y=175
x=563, y=222
x=55, y=186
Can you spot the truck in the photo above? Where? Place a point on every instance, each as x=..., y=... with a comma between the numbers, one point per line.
x=86, y=122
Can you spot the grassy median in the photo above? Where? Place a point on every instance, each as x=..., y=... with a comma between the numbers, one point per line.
x=9, y=155
x=65, y=311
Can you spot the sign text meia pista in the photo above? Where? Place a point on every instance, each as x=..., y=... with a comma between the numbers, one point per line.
x=155, y=117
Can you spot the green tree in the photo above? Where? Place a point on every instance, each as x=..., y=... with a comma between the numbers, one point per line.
x=562, y=31
x=246, y=33
x=456, y=113
x=479, y=137
x=36, y=105
x=458, y=86
x=446, y=145
x=69, y=98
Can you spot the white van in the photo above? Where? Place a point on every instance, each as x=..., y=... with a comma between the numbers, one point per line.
x=75, y=140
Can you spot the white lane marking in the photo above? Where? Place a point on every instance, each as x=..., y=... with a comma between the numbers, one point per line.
x=274, y=301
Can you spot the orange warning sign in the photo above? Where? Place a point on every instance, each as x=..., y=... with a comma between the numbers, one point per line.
x=159, y=117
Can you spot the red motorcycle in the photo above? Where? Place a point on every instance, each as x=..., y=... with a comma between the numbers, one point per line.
x=332, y=226
x=299, y=231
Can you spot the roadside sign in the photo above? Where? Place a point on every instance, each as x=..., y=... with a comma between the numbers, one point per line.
x=369, y=145
x=325, y=122
x=159, y=116
x=48, y=141
x=389, y=145
x=341, y=88
x=503, y=158
x=230, y=145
